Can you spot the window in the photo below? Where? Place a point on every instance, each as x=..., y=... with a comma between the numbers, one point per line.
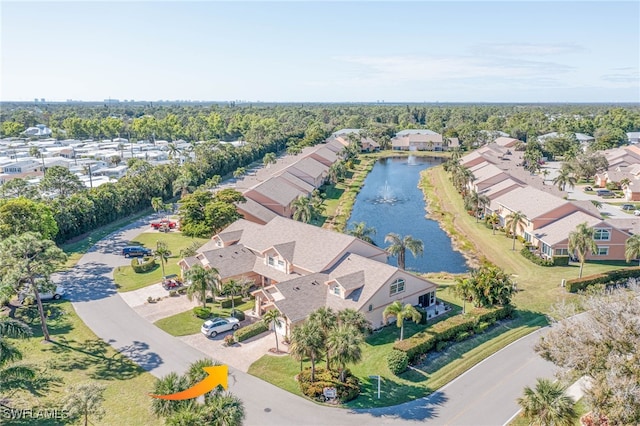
x=432, y=298
x=281, y=264
x=602, y=235
x=219, y=243
x=370, y=308
x=270, y=261
x=336, y=290
x=602, y=251
x=562, y=252
x=397, y=287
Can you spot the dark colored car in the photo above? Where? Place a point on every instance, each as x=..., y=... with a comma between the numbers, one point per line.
x=604, y=193
x=136, y=251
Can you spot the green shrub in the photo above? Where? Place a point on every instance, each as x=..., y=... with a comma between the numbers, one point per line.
x=463, y=336
x=423, y=315
x=560, y=260
x=618, y=276
x=525, y=252
x=397, y=361
x=238, y=314
x=250, y=331
x=144, y=264
x=226, y=303
x=173, y=293
x=346, y=391
x=201, y=312
x=182, y=290
x=481, y=327
x=440, y=346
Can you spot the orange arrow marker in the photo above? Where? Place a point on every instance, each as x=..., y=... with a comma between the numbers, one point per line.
x=217, y=376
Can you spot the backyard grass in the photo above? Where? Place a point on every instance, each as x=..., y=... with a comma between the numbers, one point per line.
x=127, y=279
x=539, y=288
x=186, y=323
x=76, y=355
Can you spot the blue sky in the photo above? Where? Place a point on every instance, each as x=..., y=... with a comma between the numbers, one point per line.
x=322, y=51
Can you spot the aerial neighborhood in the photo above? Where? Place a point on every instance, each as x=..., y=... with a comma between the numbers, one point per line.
x=252, y=250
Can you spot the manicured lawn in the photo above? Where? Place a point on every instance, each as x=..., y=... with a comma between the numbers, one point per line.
x=127, y=279
x=539, y=287
x=76, y=355
x=186, y=323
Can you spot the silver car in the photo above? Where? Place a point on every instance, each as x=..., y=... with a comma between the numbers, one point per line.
x=215, y=326
x=47, y=295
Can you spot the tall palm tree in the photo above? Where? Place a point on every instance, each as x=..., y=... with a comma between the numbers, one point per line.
x=203, y=282
x=232, y=288
x=354, y=318
x=632, y=247
x=581, y=243
x=157, y=204
x=515, y=221
x=478, y=201
x=362, y=231
x=307, y=340
x=302, y=209
x=344, y=346
x=327, y=320
x=163, y=253
x=401, y=312
x=273, y=317
x=399, y=246
x=564, y=178
x=464, y=290
x=547, y=404
x=337, y=171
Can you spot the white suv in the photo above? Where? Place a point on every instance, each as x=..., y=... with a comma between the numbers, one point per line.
x=56, y=294
x=212, y=327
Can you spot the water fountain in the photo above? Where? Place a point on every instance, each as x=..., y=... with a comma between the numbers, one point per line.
x=386, y=195
x=411, y=160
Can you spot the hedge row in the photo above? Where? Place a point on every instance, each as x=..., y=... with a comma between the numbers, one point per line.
x=144, y=264
x=476, y=321
x=617, y=276
x=250, y=331
x=226, y=303
x=555, y=261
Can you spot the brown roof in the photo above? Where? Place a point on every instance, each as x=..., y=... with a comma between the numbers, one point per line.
x=302, y=296
x=530, y=201
x=558, y=231
x=230, y=261
x=277, y=189
x=256, y=210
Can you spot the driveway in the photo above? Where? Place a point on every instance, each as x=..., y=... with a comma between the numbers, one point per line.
x=484, y=395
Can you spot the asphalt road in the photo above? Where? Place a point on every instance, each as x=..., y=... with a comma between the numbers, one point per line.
x=485, y=395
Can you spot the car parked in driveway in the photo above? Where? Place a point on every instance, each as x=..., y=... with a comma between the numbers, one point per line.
x=628, y=207
x=215, y=326
x=605, y=193
x=588, y=188
x=136, y=251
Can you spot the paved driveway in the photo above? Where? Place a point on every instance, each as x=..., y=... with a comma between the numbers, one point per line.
x=484, y=395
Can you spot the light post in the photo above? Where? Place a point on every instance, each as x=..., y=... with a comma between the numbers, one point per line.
x=377, y=377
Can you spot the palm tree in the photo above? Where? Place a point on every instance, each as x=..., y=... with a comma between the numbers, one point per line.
x=239, y=172
x=581, y=242
x=632, y=247
x=269, y=158
x=597, y=204
x=203, y=281
x=344, y=346
x=307, y=340
x=273, y=317
x=400, y=312
x=196, y=374
x=326, y=319
x=564, y=178
x=478, y=201
x=171, y=383
x=464, y=290
x=163, y=253
x=547, y=404
x=515, y=221
x=157, y=204
x=361, y=231
x=399, y=246
x=85, y=400
x=302, y=209
x=354, y=318
x=337, y=171
x=13, y=377
x=223, y=409
x=232, y=288
x=493, y=220
x=213, y=182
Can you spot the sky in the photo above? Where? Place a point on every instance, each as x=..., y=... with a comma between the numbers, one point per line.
x=321, y=51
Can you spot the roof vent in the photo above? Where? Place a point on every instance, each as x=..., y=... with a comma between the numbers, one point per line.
x=296, y=288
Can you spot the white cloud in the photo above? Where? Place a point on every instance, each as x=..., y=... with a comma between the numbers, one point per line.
x=527, y=49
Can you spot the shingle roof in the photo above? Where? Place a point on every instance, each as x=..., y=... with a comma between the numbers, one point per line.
x=286, y=250
x=558, y=231
x=256, y=210
x=231, y=261
x=278, y=189
x=530, y=201
x=351, y=281
x=296, y=181
x=416, y=132
x=500, y=186
x=311, y=167
x=230, y=236
x=302, y=296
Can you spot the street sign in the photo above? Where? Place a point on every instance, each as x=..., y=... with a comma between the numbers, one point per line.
x=329, y=393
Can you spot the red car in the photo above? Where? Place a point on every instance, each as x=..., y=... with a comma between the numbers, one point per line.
x=158, y=224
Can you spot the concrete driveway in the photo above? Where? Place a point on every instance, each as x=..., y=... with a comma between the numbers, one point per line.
x=485, y=395
x=607, y=209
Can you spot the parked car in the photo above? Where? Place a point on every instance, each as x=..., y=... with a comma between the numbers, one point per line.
x=628, y=207
x=164, y=223
x=215, y=326
x=588, y=188
x=136, y=251
x=636, y=212
x=171, y=282
x=604, y=193
x=55, y=294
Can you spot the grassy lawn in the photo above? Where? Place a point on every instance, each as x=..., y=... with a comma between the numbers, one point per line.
x=76, y=355
x=186, y=323
x=125, y=277
x=539, y=287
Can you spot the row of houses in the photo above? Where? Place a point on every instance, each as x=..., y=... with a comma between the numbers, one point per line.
x=298, y=268
x=550, y=217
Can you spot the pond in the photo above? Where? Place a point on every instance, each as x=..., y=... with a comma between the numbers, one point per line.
x=390, y=201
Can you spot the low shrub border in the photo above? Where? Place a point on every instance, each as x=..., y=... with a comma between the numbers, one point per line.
x=145, y=264
x=346, y=391
x=457, y=327
x=618, y=276
x=225, y=304
x=201, y=312
x=525, y=252
x=250, y=331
